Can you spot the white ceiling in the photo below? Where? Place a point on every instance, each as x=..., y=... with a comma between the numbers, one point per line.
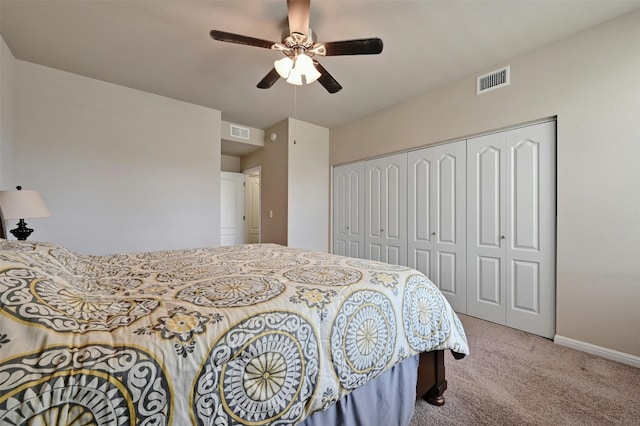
x=164, y=47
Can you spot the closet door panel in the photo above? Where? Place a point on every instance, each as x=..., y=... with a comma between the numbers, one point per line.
x=437, y=218
x=395, y=191
x=524, y=195
x=375, y=252
x=490, y=277
x=393, y=255
x=488, y=182
x=530, y=197
x=356, y=205
x=449, y=221
x=420, y=196
x=374, y=212
x=485, y=224
x=446, y=192
x=392, y=202
x=386, y=201
x=340, y=211
x=420, y=259
x=348, y=210
x=525, y=286
x=355, y=249
x=447, y=273
x=419, y=232
x=355, y=225
x=340, y=247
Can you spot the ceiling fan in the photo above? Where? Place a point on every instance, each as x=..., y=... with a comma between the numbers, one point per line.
x=298, y=66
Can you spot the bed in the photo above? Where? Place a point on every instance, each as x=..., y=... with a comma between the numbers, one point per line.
x=255, y=334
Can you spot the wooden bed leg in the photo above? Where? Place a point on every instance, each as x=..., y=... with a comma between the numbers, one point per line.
x=431, y=378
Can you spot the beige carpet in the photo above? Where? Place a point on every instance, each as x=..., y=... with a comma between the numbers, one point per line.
x=516, y=378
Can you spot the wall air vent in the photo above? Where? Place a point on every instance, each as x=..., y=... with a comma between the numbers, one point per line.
x=240, y=132
x=493, y=80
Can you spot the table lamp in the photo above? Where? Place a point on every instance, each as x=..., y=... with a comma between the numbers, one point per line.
x=22, y=205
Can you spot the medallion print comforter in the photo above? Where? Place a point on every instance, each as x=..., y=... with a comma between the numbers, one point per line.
x=253, y=334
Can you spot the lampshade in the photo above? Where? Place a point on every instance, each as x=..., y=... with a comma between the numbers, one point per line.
x=295, y=77
x=22, y=205
x=284, y=66
x=312, y=75
x=304, y=64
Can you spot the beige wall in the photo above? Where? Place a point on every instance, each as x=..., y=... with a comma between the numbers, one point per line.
x=591, y=82
x=7, y=77
x=230, y=163
x=308, y=199
x=121, y=170
x=273, y=159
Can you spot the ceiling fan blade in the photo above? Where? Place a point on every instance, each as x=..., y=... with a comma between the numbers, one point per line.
x=269, y=79
x=240, y=39
x=365, y=46
x=326, y=79
x=298, y=13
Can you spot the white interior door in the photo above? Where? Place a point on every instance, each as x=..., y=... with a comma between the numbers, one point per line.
x=232, y=201
x=386, y=209
x=530, y=236
x=348, y=210
x=252, y=208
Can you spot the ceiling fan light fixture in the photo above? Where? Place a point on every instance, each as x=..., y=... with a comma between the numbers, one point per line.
x=304, y=66
x=298, y=70
x=312, y=75
x=295, y=77
x=284, y=66
x=303, y=63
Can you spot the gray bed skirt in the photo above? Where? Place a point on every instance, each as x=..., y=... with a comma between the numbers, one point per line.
x=387, y=400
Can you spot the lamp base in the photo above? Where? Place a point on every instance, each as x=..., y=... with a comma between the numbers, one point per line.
x=21, y=232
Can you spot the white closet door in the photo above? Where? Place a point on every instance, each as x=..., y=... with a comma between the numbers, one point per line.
x=420, y=230
x=511, y=228
x=348, y=210
x=530, y=200
x=486, y=226
x=437, y=218
x=449, y=216
x=386, y=209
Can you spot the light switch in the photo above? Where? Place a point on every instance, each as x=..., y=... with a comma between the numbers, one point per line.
x=271, y=214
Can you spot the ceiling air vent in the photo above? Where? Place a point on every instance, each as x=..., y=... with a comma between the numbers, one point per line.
x=493, y=80
x=240, y=132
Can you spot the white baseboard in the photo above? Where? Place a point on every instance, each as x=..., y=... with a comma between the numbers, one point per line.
x=621, y=357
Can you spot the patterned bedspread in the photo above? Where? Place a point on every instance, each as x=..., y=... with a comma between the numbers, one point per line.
x=252, y=334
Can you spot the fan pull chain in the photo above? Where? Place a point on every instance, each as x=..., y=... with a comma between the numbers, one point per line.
x=295, y=111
